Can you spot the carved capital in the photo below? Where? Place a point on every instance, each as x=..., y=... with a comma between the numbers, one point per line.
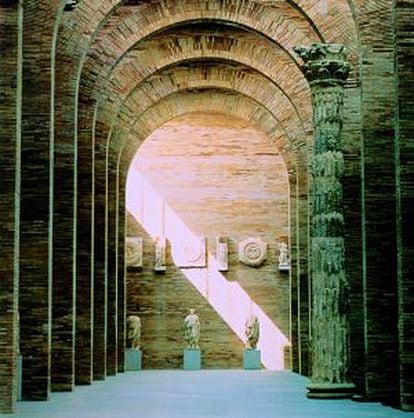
x=324, y=63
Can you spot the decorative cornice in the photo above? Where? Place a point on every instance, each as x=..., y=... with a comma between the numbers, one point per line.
x=324, y=63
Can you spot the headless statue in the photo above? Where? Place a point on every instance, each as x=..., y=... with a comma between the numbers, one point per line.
x=252, y=332
x=134, y=332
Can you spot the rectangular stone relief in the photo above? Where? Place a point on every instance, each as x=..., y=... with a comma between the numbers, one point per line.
x=222, y=254
x=191, y=252
x=133, y=252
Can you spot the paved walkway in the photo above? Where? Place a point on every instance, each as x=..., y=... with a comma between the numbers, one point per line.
x=215, y=393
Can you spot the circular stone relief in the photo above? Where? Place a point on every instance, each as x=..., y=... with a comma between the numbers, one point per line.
x=192, y=253
x=252, y=251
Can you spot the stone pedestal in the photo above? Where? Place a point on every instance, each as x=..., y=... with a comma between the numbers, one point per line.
x=192, y=359
x=251, y=359
x=284, y=267
x=133, y=360
x=19, y=372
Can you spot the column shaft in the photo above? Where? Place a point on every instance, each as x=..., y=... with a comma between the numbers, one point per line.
x=326, y=70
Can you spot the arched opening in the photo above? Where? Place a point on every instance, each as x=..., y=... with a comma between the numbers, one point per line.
x=198, y=177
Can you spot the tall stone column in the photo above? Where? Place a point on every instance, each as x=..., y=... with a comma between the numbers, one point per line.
x=326, y=69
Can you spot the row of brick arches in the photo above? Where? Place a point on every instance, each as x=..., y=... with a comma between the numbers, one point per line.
x=84, y=83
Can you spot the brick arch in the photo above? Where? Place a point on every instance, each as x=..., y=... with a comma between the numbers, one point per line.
x=238, y=106
x=85, y=100
x=229, y=81
x=129, y=136
x=160, y=24
x=113, y=47
x=302, y=115
x=261, y=19
x=88, y=17
x=234, y=104
x=83, y=26
x=271, y=63
x=204, y=101
x=168, y=20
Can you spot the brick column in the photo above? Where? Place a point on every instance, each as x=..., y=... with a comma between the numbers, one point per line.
x=404, y=148
x=99, y=267
x=112, y=343
x=36, y=216
x=64, y=231
x=85, y=253
x=299, y=273
x=121, y=223
x=10, y=106
x=326, y=70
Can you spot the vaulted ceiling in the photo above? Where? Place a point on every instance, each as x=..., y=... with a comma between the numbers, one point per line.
x=136, y=64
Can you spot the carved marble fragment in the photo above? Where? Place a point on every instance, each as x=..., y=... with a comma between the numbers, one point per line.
x=252, y=252
x=133, y=252
x=134, y=332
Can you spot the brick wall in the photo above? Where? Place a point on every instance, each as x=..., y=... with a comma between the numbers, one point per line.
x=10, y=90
x=220, y=176
x=378, y=198
x=404, y=61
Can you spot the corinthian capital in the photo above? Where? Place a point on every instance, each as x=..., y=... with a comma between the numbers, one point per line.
x=324, y=63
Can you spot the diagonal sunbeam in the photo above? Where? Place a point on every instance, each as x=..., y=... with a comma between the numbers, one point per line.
x=228, y=299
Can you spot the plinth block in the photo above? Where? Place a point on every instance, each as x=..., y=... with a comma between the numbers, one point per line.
x=133, y=360
x=330, y=390
x=192, y=359
x=251, y=359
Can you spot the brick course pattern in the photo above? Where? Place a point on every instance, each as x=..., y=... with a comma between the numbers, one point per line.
x=226, y=157
x=10, y=90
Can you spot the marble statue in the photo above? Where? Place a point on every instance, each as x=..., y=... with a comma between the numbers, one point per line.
x=134, y=332
x=192, y=330
x=252, y=332
x=159, y=264
x=283, y=255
